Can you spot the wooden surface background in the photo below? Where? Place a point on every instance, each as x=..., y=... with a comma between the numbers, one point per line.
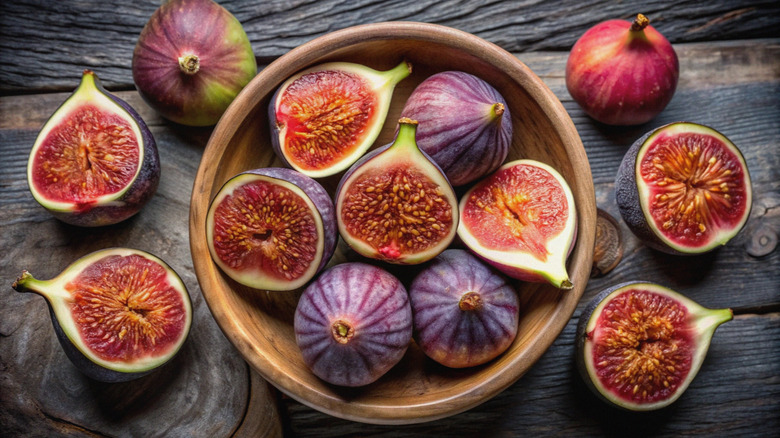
x=730, y=79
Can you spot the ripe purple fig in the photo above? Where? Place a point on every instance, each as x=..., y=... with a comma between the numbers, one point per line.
x=464, y=124
x=271, y=228
x=94, y=162
x=465, y=313
x=622, y=73
x=353, y=324
x=191, y=60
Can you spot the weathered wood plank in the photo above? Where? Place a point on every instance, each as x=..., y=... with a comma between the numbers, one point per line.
x=44, y=44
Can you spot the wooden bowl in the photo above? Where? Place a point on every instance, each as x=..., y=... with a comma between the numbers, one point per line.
x=260, y=323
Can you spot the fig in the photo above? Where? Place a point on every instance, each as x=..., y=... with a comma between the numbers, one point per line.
x=119, y=313
x=94, y=162
x=621, y=72
x=464, y=124
x=353, y=324
x=464, y=313
x=271, y=228
x=522, y=220
x=326, y=117
x=684, y=188
x=191, y=60
x=639, y=345
x=395, y=204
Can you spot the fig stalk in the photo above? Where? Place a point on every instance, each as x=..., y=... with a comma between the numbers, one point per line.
x=640, y=23
x=189, y=64
x=471, y=301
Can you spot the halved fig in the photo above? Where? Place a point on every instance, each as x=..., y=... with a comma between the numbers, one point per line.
x=119, y=313
x=639, y=345
x=327, y=116
x=395, y=204
x=684, y=188
x=271, y=228
x=465, y=313
x=94, y=162
x=522, y=220
x=353, y=324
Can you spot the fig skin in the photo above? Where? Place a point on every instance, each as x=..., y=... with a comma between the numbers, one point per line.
x=323, y=207
x=191, y=60
x=61, y=301
x=622, y=73
x=465, y=314
x=700, y=325
x=141, y=189
x=353, y=324
x=630, y=203
x=464, y=124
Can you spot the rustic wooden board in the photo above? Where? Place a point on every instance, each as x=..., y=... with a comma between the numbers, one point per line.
x=42, y=32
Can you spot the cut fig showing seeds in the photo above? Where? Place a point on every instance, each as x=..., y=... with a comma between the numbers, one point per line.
x=684, y=188
x=522, y=220
x=395, y=204
x=119, y=313
x=94, y=162
x=324, y=118
x=639, y=345
x=271, y=228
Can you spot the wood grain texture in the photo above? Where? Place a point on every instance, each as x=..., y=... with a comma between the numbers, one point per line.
x=57, y=40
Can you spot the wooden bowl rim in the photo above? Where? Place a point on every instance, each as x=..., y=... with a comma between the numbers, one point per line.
x=580, y=260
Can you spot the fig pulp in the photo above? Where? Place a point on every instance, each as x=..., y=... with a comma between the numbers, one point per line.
x=464, y=313
x=464, y=124
x=522, y=220
x=271, y=228
x=622, y=73
x=118, y=313
x=325, y=117
x=684, y=188
x=191, y=60
x=353, y=324
x=94, y=162
x=639, y=345
x=395, y=204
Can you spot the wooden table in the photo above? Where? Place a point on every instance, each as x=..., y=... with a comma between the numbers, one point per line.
x=730, y=79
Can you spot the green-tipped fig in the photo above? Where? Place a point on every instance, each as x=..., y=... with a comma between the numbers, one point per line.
x=326, y=117
x=639, y=345
x=118, y=313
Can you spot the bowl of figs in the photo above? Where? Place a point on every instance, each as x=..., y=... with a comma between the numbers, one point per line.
x=393, y=222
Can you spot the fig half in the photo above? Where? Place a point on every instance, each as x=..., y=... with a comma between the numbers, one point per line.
x=395, y=204
x=94, y=162
x=684, y=188
x=327, y=116
x=271, y=228
x=118, y=313
x=639, y=345
x=522, y=220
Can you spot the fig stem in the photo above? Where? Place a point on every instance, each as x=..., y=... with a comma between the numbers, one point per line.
x=398, y=72
x=470, y=301
x=406, y=132
x=640, y=23
x=189, y=64
x=342, y=331
x=27, y=283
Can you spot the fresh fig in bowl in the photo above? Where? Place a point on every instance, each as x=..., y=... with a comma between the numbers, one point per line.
x=191, y=60
x=522, y=220
x=353, y=324
x=395, y=204
x=326, y=117
x=639, y=344
x=464, y=124
x=684, y=189
x=271, y=228
x=465, y=313
x=94, y=162
x=118, y=313
x=621, y=72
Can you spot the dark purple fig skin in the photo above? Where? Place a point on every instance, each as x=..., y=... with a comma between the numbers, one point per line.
x=452, y=109
x=462, y=338
x=141, y=189
x=374, y=303
x=226, y=62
